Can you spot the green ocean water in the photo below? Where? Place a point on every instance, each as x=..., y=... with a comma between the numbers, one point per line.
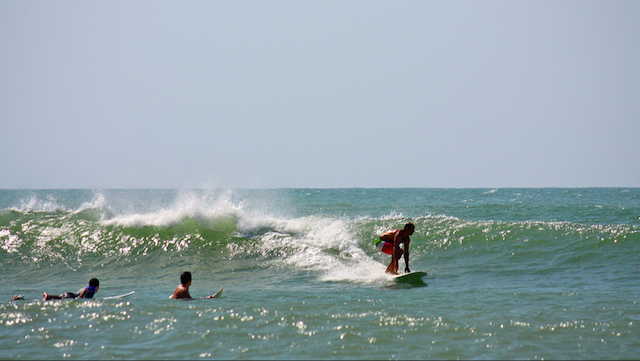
x=512, y=273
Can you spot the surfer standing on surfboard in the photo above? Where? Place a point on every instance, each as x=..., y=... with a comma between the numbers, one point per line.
x=389, y=243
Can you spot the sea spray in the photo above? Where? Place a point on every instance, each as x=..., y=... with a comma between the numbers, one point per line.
x=512, y=273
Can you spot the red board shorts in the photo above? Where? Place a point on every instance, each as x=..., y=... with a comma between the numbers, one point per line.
x=384, y=246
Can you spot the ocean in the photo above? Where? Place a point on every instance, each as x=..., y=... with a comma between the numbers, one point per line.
x=512, y=274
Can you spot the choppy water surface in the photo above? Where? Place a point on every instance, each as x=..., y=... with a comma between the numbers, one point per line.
x=512, y=273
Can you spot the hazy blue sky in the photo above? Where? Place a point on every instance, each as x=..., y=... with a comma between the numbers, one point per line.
x=319, y=94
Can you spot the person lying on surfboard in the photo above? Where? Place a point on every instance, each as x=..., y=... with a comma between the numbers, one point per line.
x=86, y=292
x=182, y=292
x=389, y=243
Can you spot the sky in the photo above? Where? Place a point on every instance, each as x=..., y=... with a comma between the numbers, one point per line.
x=319, y=94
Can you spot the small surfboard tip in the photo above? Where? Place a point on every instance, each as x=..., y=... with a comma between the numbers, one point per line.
x=219, y=293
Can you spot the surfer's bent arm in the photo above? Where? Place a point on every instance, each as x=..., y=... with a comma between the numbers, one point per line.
x=82, y=294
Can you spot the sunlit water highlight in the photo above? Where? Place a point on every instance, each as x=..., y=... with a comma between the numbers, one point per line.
x=512, y=273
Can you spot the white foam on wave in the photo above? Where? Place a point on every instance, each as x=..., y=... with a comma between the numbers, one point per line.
x=320, y=244
x=35, y=204
x=187, y=205
x=98, y=202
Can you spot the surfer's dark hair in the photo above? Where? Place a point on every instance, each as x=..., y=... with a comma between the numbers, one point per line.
x=185, y=277
x=409, y=226
x=94, y=282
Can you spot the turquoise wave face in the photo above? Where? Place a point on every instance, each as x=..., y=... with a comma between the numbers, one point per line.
x=86, y=239
x=547, y=273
